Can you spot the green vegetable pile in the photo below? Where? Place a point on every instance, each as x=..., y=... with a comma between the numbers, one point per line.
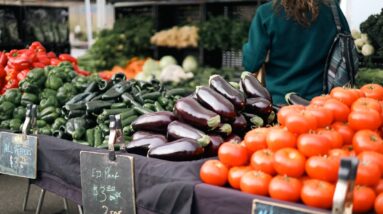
x=369, y=75
x=373, y=26
x=129, y=37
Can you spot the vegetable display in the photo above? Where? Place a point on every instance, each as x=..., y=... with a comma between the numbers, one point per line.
x=373, y=27
x=177, y=37
x=298, y=160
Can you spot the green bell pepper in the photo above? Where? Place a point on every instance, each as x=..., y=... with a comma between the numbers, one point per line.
x=41, y=123
x=47, y=92
x=13, y=95
x=76, y=127
x=19, y=112
x=6, y=110
x=28, y=98
x=36, y=76
x=15, y=125
x=54, y=82
x=50, y=101
x=90, y=137
x=27, y=86
x=66, y=92
x=46, y=130
x=57, y=123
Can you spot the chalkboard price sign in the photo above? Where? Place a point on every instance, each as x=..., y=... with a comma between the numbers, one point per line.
x=107, y=186
x=270, y=207
x=18, y=155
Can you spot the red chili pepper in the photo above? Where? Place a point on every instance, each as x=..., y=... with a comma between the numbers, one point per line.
x=67, y=57
x=3, y=59
x=55, y=62
x=2, y=72
x=22, y=75
x=51, y=55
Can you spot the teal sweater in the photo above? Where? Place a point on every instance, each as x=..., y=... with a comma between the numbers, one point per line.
x=297, y=53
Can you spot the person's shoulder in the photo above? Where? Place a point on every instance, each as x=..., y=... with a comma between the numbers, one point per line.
x=265, y=9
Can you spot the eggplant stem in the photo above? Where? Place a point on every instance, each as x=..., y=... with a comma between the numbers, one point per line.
x=287, y=97
x=204, y=141
x=244, y=74
x=226, y=128
x=214, y=122
x=234, y=85
x=271, y=117
x=212, y=76
x=257, y=121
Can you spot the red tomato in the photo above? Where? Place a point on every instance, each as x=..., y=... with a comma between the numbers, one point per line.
x=235, y=175
x=367, y=119
x=322, y=115
x=214, y=172
x=367, y=140
x=289, y=162
x=232, y=154
x=280, y=138
x=301, y=122
x=379, y=187
x=317, y=193
x=378, y=205
x=349, y=149
x=311, y=144
x=373, y=157
x=374, y=91
x=367, y=174
x=345, y=130
x=333, y=136
x=285, y=188
x=363, y=200
x=256, y=182
x=320, y=100
x=286, y=110
x=365, y=103
x=262, y=160
x=256, y=139
x=346, y=96
x=338, y=153
x=339, y=110
x=323, y=168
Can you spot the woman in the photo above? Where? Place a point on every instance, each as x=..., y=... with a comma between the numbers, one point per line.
x=296, y=35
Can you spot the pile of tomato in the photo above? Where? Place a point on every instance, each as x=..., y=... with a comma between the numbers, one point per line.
x=298, y=160
x=15, y=65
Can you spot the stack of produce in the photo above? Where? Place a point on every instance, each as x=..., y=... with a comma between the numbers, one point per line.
x=177, y=37
x=133, y=67
x=299, y=159
x=15, y=65
x=369, y=75
x=373, y=27
x=200, y=123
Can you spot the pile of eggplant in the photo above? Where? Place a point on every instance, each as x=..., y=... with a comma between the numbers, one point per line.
x=201, y=122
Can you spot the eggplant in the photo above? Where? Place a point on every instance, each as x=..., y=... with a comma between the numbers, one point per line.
x=178, y=130
x=224, y=129
x=215, y=102
x=212, y=149
x=259, y=106
x=188, y=110
x=293, y=98
x=143, y=145
x=142, y=134
x=254, y=120
x=239, y=125
x=233, y=139
x=155, y=121
x=184, y=149
x=219, y=84
x=252, y=87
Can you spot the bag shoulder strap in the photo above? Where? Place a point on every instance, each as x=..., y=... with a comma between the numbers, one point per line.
x=335, y=14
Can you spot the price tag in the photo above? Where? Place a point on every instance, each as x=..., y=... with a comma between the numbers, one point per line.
x=18, y=155
x=269, y=207
x=107, y=185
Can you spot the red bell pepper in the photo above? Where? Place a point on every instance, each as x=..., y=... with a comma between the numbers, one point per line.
x=67, y=57
x=79, y=71
x=43, y=59
x=55, y=62
x=3, y=59
x=37, y=47
x=22, y=75
x=38, y=65
x=2, y=72
x=13, y=83
x=51, y=55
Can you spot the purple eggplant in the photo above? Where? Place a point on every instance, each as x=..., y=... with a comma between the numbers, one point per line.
x=239, y=125
x=259, y=106
x=141, y=134
x=212, y=149
x=233, y=139
x=252, y=87
x=224, y=129
x=154, y=122
x=188, y=110
x=178, y=130
x=293, y=98
x=184, y=149
x=143, y=145
x=220, y=85
x=215, y=102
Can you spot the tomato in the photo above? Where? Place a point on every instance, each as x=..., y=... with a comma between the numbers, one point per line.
x=280, y=138
x=349, y=149
x=214, y=172
x=255, y=182
x=301, y=122
x=379, y=187
x=367, y=140
x=374, y=91
x=256, y=139
x=366, y=103
x=285, y=188
x=320, y=100
x=338, y=153
x=311, y=144
x=322, y=115
x=367, y=119
x=333, y=136
x=317, y=193
x=323, y=168
x=368, y=174
x=232, y=154
x=345, y=130
x=235, y=175
x=339, y=110
x=378, y=205
x=262, y=160
x=346, y=96
x=363, y=200
x=289, y=162
x=286, y=110
x=372, y=157
x=249, y=153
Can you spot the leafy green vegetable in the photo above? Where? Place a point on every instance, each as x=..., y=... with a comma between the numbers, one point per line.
x=373, y=26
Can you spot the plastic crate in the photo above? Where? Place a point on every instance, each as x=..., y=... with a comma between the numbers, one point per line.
x=232, y=59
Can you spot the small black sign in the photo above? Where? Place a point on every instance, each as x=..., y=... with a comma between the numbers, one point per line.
x=270, y=207
x=107, y=186
x=18, y=155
